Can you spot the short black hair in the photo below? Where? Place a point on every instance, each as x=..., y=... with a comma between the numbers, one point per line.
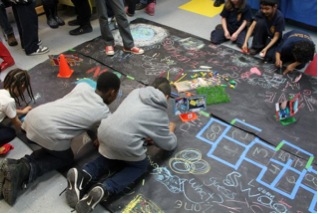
x=304, y=51
x=163, y=85
x=269, y=2
x=108, y=81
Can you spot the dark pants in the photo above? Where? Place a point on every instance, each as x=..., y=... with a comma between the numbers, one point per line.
x=27, y=23
x=217, y=36
x=4, y=21
x=261, y=38
x=126, y=172
x=6, y=134
x=42, y=161
x=83, y=11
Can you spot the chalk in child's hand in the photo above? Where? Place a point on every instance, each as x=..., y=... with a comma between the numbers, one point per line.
x=261, y=54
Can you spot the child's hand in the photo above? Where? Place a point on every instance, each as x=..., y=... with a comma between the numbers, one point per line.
x=263, y=53
x=26, y=109
x=234, y=37
x=245, y=49
x=288, y=69
x=279, y=63
x=172, y=126
x=227, y=35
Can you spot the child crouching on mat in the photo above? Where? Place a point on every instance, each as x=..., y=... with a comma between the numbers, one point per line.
x=15, y=84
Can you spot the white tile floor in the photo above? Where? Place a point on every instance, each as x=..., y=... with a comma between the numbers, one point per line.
x=43, y=195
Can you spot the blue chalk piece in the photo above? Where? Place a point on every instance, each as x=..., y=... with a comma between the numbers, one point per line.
x=173, y=94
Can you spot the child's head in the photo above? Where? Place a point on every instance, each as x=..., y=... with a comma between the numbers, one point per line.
x=268, y=7
x=231, y=4
x=163, y=85
x=16, y=82
x=107, y=87
x=303, y=51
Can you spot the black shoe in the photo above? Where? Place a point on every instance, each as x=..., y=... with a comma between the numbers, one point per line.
x=91, y=199
x=59, y=20
x=77, y=180
x=16, y=176
x=254, y=51
x=140, y=6
x=73, y=23
x=3, y=170
x=217, y=3
x=81, y=30
x=52, y=23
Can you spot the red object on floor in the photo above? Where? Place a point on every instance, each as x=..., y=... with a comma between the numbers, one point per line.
x=312, y=67
x=5, y=148
x=6, y=57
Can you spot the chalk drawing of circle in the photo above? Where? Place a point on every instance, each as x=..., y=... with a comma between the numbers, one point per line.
x=189, y=155
x=200, y=167
x=143, y=34
x=181, y=166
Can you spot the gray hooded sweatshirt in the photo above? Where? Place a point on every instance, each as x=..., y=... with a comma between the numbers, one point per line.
x=143, y=114
x=53, y=125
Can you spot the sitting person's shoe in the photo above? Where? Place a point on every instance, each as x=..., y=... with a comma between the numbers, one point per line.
x=16, y=176
x=4, y=65
x=217, y=3
x=81, y=30
x=91, y=199
x=73, y=23
x=12, y=40
x=76, y=181
x=109, y=50
x=150, y=9
x=3, y=169
x=140, y=6
x=134, y=50
x=40, y=50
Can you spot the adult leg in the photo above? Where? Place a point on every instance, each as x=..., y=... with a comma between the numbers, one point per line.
x=123, y=24
x=102, y=12
x=49, y=7
x=6, y=26
x=84, y=12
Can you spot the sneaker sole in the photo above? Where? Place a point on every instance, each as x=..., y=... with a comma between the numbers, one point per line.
x=72, y=192
x=39, y=53
x=83, y=206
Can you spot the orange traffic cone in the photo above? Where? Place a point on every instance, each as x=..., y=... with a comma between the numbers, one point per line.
x=65, y=70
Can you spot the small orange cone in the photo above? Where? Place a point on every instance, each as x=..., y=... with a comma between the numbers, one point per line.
x=65, y=70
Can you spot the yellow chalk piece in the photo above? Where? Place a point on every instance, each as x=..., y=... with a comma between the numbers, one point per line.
x=193, y=103
x=181, y=78
x=202, y=7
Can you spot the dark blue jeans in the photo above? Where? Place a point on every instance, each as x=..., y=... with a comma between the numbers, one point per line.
x=6, y=134
x=4, y=21
x=126, y=172
x=42, y=161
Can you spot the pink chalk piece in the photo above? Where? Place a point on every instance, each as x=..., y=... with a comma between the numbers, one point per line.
x=256, y=71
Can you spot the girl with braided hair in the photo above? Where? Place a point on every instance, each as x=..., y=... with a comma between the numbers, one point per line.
x=15, y=84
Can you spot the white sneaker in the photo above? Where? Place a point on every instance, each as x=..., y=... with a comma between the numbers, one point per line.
x=40, y=50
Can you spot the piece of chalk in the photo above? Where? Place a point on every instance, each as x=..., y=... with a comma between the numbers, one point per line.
x=130, y=77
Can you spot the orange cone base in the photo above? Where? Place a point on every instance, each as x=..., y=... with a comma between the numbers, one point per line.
x=70, y=72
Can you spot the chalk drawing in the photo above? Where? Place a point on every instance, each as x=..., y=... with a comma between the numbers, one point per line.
x=143, y=34
x=141, y=205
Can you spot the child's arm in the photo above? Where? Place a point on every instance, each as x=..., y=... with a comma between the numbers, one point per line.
x=238, y=31
x=224, y=26
x=271, y=43
x=16, y=122
x=248, y=35
x=291, y=67
x=25, y=110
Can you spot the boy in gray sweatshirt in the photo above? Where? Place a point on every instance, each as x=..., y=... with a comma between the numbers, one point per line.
x=141, y=117
x=53, y=126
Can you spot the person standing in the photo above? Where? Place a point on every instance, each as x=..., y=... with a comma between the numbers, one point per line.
x=83, y=10
x=118, y=9
x=6, y=26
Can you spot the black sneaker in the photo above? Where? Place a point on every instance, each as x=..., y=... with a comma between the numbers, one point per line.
x=76, y=182
x=59, y=20
x=140, y=6
x=3, y=169
x=40, y=50
x=91, y=199
x=81, y=30
x=73, y=23
x=217, y=3
x=16, y=176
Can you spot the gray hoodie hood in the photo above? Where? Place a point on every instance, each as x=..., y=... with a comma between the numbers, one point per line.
x=153, y=97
